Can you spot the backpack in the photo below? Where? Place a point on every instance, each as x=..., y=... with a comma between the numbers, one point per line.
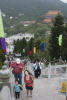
x=30, y=78
x=38, y=67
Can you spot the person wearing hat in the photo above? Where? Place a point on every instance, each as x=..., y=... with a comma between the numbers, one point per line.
x=17, y=68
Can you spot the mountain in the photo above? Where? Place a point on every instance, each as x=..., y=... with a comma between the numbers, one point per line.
x=31, y=8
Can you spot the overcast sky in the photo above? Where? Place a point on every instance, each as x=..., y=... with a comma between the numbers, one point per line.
x=65, y=1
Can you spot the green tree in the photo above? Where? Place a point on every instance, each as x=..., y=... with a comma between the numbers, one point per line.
x=31, y=44
x=64, y=44
x=23, y=44
x=38, y=43
x=20, y=28
x=57, y=29
x=20, y=45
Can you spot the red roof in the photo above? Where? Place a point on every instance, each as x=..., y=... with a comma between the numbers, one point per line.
x=47, y=21
x=54, y=12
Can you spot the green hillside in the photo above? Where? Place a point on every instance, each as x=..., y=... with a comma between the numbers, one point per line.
x=31, y=8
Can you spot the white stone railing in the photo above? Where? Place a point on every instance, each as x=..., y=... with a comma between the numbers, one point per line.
x=55, y=68
x=6, y=91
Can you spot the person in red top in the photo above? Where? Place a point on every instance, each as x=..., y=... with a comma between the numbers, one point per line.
x=17, y=67
x=28, y=81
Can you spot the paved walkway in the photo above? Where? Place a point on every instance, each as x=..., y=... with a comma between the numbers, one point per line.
x=44, y=89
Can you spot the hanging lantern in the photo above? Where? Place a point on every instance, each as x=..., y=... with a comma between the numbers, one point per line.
x=34, y=50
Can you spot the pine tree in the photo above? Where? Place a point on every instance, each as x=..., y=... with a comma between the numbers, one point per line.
x=2, y=56
x=64, y=44
x=23, y=49
x=56, y=30
x=20, y=45
x=31, y=44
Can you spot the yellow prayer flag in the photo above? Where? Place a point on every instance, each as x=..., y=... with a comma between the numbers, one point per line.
x=34, y=50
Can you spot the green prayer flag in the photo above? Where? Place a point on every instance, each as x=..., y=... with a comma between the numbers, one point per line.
x=23, y=50
x=60, y=40
x=1, y=26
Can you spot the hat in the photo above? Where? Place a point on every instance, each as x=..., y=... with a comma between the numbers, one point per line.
x=18, y=61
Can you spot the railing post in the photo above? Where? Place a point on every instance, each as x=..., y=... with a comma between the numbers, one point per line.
x=49, y=70
x=55, y=69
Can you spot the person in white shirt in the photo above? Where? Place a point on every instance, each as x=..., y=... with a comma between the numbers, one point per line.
x=37, y=68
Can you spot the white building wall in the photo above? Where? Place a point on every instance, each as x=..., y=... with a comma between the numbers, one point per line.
x=19, y=36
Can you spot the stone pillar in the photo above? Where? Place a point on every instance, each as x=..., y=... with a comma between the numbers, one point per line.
x=5, y=84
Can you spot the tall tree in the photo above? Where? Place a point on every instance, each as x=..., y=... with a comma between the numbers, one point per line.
x=20, y=45
x=31, y=44
x=38, y=43
x=57, y=29
x=64, y=44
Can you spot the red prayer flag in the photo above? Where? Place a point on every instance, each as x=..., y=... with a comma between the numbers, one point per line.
x=4, y=51
x=29, y=53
